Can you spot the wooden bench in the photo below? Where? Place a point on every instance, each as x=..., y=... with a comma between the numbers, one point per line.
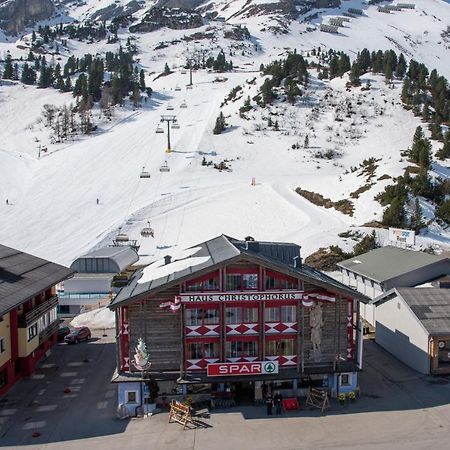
x=181, y=413
x=318, y=399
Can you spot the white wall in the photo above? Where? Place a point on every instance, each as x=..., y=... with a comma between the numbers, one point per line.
x=88, y=285
x=400, y=333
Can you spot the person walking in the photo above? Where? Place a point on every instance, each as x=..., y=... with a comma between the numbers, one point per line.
x=269, y=404
x=7, y=202
x=278, y=401
x=264, y=390
x=98, y=201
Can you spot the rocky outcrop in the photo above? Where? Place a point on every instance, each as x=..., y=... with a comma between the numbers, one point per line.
x=16, y=15
x=115, y=10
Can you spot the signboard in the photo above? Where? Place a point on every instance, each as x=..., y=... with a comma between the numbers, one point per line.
x=241, y=297
x=245, y=368
x=407, y=237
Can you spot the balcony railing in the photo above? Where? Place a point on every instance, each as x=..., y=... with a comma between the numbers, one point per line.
x=35, y=313
x=51, y=329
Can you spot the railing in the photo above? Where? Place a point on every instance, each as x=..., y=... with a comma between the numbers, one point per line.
x=35, y=313
x=51, y=329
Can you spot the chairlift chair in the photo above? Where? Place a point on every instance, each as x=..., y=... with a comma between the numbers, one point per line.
x=177, y=88
x=169, y=107
x=144, y=173
x=183, y=72
x=148, y=231
x=122, y=238
x=159, y=130
x=176, y=126
x=189, y=86
x=183, y=105
x=165, y=167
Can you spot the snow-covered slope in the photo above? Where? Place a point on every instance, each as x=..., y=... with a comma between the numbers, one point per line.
x=52, y=209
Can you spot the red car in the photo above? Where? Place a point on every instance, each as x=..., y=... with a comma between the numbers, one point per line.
x=78, y=335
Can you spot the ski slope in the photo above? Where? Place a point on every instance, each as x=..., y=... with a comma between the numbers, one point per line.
x=52, y=209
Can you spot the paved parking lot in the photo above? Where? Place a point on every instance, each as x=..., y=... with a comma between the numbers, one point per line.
x=398, y=409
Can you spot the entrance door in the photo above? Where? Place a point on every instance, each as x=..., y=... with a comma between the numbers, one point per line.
x=244, y=392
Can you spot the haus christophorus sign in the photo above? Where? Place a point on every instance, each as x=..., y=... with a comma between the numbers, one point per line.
x=241, y=297
x=246, y=368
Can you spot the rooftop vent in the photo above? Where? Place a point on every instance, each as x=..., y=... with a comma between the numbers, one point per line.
x=167, y=260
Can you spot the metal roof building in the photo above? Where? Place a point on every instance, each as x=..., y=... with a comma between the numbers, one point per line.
x=414, y=325
x=105, y=260
x=22, y=276
x=385, y=268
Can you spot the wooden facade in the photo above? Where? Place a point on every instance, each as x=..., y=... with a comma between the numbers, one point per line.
x=201, y=332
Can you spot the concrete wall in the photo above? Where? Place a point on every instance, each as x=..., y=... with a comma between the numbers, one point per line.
x=5, y=333
x=400, y=333
x=122, y=389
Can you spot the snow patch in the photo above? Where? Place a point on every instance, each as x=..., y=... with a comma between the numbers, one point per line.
x=96, y=319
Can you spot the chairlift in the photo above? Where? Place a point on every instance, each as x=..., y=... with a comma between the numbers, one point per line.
x=177, y=88
x=122, y=238
x=183, y=72
x=183, y=105
x=148, y=231
x=144, y=173
x=165, y=167
x=189, y=86
x=176, y=126
x=169, y=107
x=159, y=130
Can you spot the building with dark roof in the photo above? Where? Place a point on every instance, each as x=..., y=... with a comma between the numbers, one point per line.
x=380, y=270
x=28, y=312
x=227, y=316
x=414, y=325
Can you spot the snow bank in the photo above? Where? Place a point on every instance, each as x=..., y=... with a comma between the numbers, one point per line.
x=96, y=319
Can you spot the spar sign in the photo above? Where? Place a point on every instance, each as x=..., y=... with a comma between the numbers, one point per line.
x=407, y=237
x=245, y=368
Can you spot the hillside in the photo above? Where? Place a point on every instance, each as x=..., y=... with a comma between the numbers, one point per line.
x=52, y=208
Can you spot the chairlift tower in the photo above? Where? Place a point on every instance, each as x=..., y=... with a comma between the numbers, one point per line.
x=168, y=119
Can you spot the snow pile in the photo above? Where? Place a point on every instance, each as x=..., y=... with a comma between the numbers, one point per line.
x=96, y=319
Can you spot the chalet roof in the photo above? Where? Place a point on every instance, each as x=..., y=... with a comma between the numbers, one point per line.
x=22, y=276
x=218, y=251
x=122, y=256
x=386, y=263
x=431, y=306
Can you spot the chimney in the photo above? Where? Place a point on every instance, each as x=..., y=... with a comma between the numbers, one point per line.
x=298, y=260
x=253, y=246
x=167, y=260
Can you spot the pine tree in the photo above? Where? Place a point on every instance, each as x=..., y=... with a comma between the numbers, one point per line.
x=306, y=142
x=8, y=71
x=220, y=124
x=142, y=80
x=400, y=70
x=394, y=215
x=444, y=151
x=416, y=219
x=167, y=70
x=354, y=75
x=443, y=211
x=266, y=91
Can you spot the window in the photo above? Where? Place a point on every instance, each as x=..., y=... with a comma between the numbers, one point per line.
x=238, y=349
x=280, y=347
x=346, y=379
x=131, y=396
x=200, y=316
x=64, y=309
x=233, y=315
x=201, y=350
x=277, y=281
x=249, y=315
x=288, y=313
x=208, y=283
x=194, y=351
x=281, y=314
x=272, y=314
x=2, y=345
x=32, y=331
x=239, y=282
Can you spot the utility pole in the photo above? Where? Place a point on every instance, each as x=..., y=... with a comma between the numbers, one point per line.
x=168, y=119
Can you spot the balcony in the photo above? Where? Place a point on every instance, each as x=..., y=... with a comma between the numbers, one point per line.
x=51, y=329
x=31, y=316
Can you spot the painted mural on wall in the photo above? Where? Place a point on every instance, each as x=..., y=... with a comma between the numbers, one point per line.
x=316, y=324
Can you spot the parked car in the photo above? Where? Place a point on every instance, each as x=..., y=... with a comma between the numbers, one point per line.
x=78, y=335
x=63, y=332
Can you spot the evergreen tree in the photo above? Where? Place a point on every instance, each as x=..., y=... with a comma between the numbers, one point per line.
x=267, y=93
x=306, y=143
x=444, y=151
x=220, y=124
x=142, y=80
x=8, y=70
x=28, y=75
x=354, y=75
x=364, y=61
x=443, y=211
x=416, y=218
x=333, y=69
x=68, y=85
x=30, y=56
x=167, y=70
x=15, y=75
x=400, y=70
x=343, y=64
x=394, y=215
